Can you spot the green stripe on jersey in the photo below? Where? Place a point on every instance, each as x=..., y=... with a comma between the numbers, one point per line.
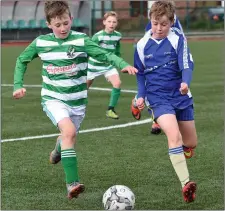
x=72, y=103
x=66, y=90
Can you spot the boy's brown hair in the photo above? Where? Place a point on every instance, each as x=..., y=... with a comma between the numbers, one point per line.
x=161, y=8
x=55, y=9
x=110, y=13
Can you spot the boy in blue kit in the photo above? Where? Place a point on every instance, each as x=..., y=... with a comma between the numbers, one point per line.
x=136, y=112
x=165, y=68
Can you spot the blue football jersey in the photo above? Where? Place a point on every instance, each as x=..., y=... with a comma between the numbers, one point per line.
x=161, y=66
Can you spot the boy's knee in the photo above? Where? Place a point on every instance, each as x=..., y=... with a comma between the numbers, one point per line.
x=191, y=143
x=174, y=139
x=117, y=83
x=69, y=135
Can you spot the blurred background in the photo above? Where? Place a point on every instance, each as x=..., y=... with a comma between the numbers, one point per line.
x=24, y=20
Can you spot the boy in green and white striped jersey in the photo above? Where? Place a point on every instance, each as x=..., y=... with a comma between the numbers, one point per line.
x=64, y=54
x=109, y=39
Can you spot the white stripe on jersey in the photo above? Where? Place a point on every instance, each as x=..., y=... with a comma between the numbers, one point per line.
x=65, y=97
x=45, y=43
x=173, y=38
x=66, y=82
x=90, y=66
x=77, y=42
x=94, y=60
x=105, y=37
x=191, y=58
x=59, y=55
x=141, y=45
x=107, y=46
x=185, y=55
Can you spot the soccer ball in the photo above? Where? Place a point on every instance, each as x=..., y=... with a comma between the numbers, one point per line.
x=118, y=197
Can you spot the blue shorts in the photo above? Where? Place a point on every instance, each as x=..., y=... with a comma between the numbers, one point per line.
x=186, y=114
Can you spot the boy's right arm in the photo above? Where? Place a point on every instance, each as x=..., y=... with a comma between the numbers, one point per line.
x=21, y=66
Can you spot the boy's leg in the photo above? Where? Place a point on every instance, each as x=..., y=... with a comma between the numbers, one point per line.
x=69, y=158
x=188, y=131
x=59, y=114
x=55, y=155
x=91, y=76
x=168, y=122
x=89, y=83
x=114, y=78
x=155, y=128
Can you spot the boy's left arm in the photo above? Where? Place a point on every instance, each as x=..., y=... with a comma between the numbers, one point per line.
x=100, y=54
x=186, y=64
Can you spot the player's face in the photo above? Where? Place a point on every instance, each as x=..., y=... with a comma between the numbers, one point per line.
x=110, y=24
x=160, y=27
x=61, y=26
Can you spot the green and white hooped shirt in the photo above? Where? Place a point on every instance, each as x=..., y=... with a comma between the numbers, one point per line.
x=64, y=68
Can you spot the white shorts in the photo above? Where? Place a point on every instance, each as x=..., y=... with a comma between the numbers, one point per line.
x=57, y=110
x=107, y=73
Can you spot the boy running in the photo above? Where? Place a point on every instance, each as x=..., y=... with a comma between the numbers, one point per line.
x=165, y=67
x=109, y=39
x=134, y=110
x=64, y=54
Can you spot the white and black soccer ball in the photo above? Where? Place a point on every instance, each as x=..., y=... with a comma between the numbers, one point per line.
x=118, y=197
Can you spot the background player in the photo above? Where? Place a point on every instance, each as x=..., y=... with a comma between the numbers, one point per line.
x=109, y=39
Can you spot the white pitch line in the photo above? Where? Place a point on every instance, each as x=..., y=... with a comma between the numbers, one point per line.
x=11, y=85
x=81, y=131
x=107, y=89
x=92, y=88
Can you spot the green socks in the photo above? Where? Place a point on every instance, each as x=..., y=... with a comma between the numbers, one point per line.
x=69, y=163
x=115, y=94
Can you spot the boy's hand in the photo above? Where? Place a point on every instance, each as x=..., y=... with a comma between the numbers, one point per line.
x=129, y=69
x=140, y=103
x=183, y=88
x=19, y=93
